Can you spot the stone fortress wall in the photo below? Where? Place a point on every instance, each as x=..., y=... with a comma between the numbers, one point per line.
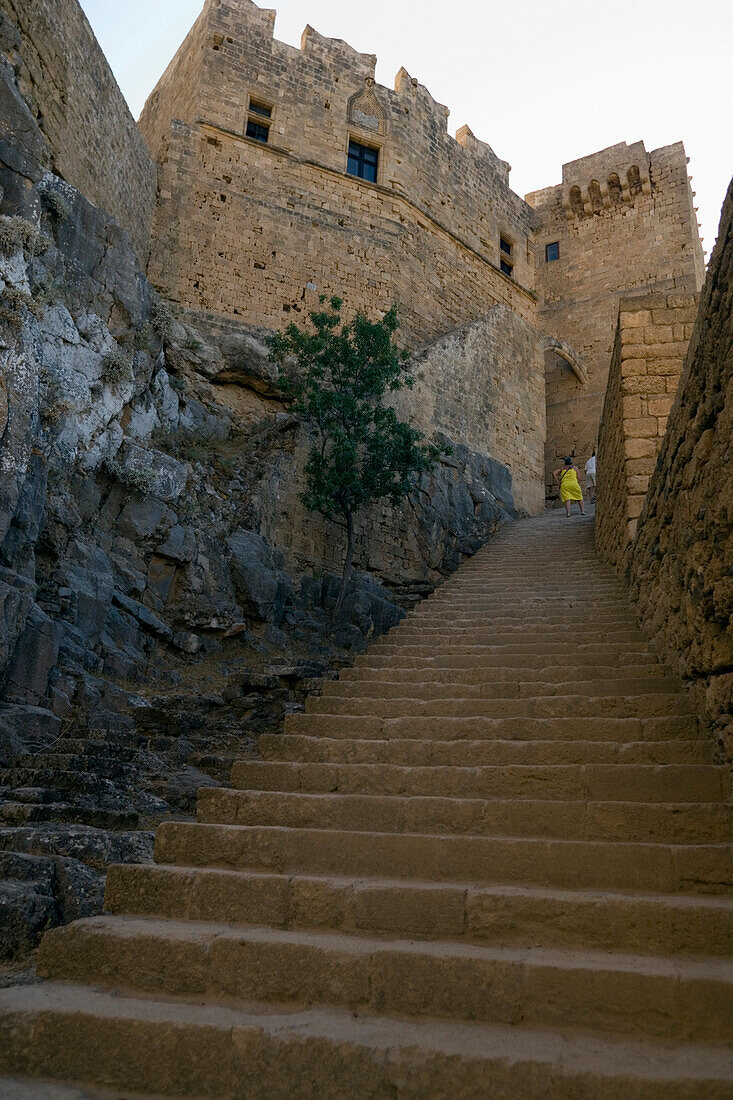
x=251, y=232
x=483, y=382
x=68, y=84
x=246, y=234
x=246, y=229
x=652, y=336
x=623, y=218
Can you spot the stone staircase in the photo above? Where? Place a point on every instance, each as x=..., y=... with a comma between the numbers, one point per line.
x=491, y=861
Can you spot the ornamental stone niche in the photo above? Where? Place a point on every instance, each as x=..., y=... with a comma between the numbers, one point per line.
x=365, y=110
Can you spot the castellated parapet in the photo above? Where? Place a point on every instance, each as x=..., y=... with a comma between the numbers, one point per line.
x=622, y=221
x=259, y=212
x=251, y=230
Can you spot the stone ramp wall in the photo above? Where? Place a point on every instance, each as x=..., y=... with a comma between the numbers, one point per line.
x=652, y=335
x=681, y=564
x=483, y=384
x=66, y=80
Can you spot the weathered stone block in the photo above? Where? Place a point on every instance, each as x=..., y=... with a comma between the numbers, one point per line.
x=635, y=319
x=660, y=406
x=640, y=448
x=641, y=427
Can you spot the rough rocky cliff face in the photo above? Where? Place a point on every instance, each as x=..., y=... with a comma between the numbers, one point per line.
x=155, y=616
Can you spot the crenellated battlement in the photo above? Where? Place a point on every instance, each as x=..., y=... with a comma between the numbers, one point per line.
x=266, y=126
x=289, y=172
x=607, y=179
x=622, y=219
x=232, y=53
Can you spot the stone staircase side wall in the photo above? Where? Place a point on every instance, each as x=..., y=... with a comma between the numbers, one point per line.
x=68, y=84
x=681, y=563
x=652, y=336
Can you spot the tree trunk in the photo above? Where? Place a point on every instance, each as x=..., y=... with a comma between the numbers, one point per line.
x=348, y=568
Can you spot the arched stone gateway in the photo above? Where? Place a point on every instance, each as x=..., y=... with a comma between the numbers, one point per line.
x=570, y=355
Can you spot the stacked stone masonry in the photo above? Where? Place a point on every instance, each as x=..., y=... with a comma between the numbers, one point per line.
x=622, y=219
x=93, y=140
x=483, y=383
x=681, y=561
x=652, y=337
x=254, y=229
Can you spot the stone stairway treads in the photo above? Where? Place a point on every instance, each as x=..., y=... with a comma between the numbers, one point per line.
x=492, y=860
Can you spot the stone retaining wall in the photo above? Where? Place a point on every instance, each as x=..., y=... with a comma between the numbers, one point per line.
x=483, y=384
x=681, y=564
x=652, y=336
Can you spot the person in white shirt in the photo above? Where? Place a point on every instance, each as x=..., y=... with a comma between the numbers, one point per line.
x=590, y=477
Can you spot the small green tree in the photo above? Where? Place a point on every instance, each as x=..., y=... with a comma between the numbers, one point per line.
x=338, y=376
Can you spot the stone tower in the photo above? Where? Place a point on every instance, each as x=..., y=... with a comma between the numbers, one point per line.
x=622, y=221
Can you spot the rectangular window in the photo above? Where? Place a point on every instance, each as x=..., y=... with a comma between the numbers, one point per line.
x=552, y=252
x=260, y=109
x=363, y=161
x=505, y=267
x=256, y=130
x=505, y=245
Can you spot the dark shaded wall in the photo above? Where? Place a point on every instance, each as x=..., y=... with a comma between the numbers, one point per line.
x=94, y=142
x=681, y=566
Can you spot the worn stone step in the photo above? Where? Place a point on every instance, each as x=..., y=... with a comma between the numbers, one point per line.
x=505, y=915
x=457, y=706
x=364, y=688
x=478, y=624
x=76, y=746
x=501, y=649
x=283, y=746
x=552, y=625
x=217, y=1051
x=105, y=767
x=440, y=727
x=516, y=609
x=21, y=813
x=561, y=638
x=644, y=996
x=64, y=780
x=500, y=658
x=663, y=868
x=568, y=818
x=397, y=672
x=599, y=782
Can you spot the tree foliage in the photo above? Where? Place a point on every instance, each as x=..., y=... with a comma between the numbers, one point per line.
x=339, y=377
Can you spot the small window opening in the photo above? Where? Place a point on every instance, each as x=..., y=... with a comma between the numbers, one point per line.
x=363, y=161
x=552, y=252
x=506, y=251
x=260, y=109
x=257, y=131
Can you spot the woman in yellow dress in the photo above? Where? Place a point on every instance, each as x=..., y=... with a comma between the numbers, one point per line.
x=567, y=478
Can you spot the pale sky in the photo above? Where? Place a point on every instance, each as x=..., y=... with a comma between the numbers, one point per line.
x=542, y=81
